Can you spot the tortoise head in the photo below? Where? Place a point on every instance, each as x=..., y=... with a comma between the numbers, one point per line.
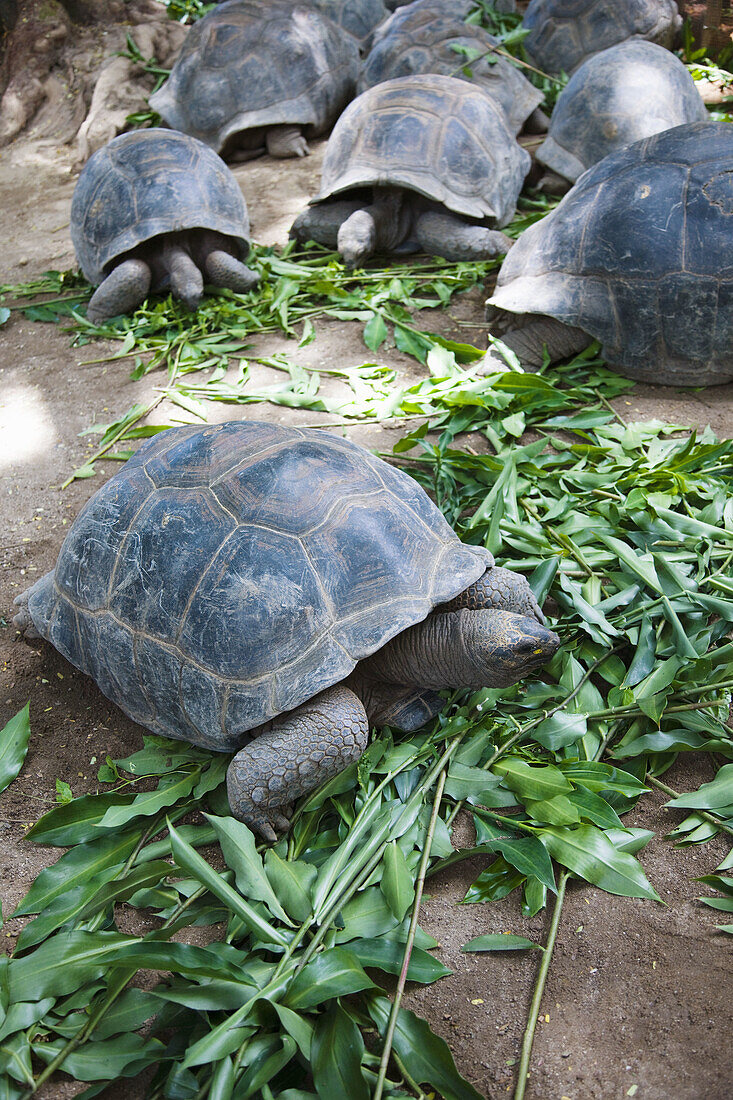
x=503, y=647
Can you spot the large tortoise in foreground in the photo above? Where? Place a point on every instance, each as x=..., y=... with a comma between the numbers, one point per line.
x=233, y=574
x=638, y=255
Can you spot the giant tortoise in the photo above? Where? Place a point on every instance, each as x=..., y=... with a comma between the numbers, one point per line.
x=562, y=33
x=273, y=591
x=157, y=209
x=423, y=162
x=252, y=77
x=638, y=255
x=616, y=97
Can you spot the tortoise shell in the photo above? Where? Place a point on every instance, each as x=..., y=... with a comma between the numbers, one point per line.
x=640, y=255
x=229, y=573
x=246, y=65
x=146, y=183
x=440, y=137
x=616, y=97
x=421, y=39
x=562, y=33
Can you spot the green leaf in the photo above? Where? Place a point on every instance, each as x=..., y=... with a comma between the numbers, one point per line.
x=189, y=859
x=366, y=915
x=498, y=880
x=501, y=941
x=292, y=881
x=387, y=954
x=426, y=1057
x=169, y=791
x=588, y=852
x=528, y=855
x=396, y=883
x=375, y=332
x=333, y=973
x=555, y=811
x=710, y=796
x=75, y=822
x=532, y=781
x=337, y=1051
x=238, y=847
x=559, y=730
x=104, y=856
x=14, y=746
x=123, y=1056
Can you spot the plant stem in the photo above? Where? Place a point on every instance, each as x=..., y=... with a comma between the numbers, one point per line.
x=420, y=883
x=534, y=1007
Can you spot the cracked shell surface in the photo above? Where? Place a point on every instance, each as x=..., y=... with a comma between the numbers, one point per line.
x=146, y=183
x=438, y=136
x=227, y=574
x=246, y=65
x=639, y=254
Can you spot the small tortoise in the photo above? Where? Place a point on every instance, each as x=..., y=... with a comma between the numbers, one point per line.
x=428, y=162
x=562, y=33
x=156, y=209
x=616, y=97
x=255, y=76
x=272, y=591
x=422, y=39
x=638, y=255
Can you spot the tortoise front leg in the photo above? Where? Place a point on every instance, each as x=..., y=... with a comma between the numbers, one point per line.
x=530, y=342
x=223, y=269
x=322, y=223
x=454, y=239
x=501, y=589
x=294, y=754
x=286, y=141
x=186, y=281
x=122, y=291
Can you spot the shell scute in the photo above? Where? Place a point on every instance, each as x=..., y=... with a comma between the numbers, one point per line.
x=168, y=549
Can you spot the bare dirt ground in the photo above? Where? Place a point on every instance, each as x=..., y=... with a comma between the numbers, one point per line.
x=637, y=991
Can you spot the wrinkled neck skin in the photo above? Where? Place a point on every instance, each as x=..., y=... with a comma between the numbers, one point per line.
x=455, y=649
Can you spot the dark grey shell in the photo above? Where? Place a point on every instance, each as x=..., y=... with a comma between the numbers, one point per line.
x=146, y=183
x=562, y=33
x=419, y=39
x=639, y=254
x=247, y=65
x=229, y=573
x=358, y=17
x=440, y=137
x=616, y=97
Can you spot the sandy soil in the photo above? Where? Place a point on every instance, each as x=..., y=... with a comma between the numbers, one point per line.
x=636, y=994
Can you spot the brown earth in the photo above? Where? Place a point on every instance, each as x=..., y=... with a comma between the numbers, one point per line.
x=637, y=991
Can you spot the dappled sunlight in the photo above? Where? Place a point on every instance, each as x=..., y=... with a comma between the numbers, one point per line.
x=27, y=428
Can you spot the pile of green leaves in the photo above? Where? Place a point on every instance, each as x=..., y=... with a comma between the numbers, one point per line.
x=627, y=529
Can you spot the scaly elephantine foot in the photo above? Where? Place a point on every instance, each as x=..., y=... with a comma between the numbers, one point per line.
x=124, y=289
x=286, y=141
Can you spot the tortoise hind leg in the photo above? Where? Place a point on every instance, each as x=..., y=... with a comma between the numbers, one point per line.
x=454, y=239
x=123, y=290
x=294, y=754
x=223, y=269
x=322, y=223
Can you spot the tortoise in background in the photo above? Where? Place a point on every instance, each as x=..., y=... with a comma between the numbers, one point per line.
x=423, y=39
x=638, y=255
x=562, y=33
x=252, y=77
x=424, y=162
x=273, y=591
x=616, y=97
x=158, y=210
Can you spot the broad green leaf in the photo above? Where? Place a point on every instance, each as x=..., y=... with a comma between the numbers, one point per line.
x=337, y=1050
x=387, y=954
x=365, y=916
x=560, y=730
x=710, y=796
x=292, y=881
x=498, y=880
x=169, y=791
x=501, y=941
x=240, y=854
x=24, y=1014
x=554, y=811
x=588, y=852
x=103, y=856
x=128, y=1013
x=189, y=859
x=426, y=1057
x=396, y=883
x=14, y=739
x=595, y=776
x=268, y=1062
x=532, y=781
x=75, y=822
x=222, y=1080
x=123, y=1056
x=333, y=973
x=375, y=332
x=528, y=855
x=594, y=809
x=298, y=1027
